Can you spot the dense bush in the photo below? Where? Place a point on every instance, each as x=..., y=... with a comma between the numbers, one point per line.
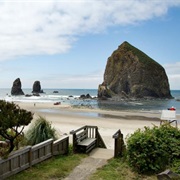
x=40, y=131
x=152, y=149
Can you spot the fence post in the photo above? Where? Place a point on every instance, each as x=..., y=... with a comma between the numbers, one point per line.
x=73, y=140
x=118, y=144
x=30, y=156
x=115, y=148
x=52, y=149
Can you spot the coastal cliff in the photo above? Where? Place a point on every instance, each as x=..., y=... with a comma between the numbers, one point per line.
x=130, y=73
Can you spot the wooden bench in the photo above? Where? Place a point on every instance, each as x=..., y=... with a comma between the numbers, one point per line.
x=84, y=139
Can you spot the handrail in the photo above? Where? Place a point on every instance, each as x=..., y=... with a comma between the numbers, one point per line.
x=75, y=131
x=100, y=142
x=87, y=126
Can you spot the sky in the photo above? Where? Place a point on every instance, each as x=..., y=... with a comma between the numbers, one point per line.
x=66, y=43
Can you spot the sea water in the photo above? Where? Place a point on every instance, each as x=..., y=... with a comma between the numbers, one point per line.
x=71, y=97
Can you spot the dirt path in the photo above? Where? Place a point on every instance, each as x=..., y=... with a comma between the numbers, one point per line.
x=97, y=158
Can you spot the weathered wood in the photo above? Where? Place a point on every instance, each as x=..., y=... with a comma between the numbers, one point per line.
x=118, y=144
x=87, y=145
x=75, y=131
x=25, y=158
x=61, y=146
x=100, y=142
x=86, y=142
x=82, y=135
x=42, y=151
x=16, y=162
x=86, y=138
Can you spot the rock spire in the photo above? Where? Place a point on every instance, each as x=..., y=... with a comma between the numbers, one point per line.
x=130, y=73
x=16, y=88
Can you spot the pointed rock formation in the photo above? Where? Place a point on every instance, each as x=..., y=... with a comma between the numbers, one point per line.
x=16, y=88
x=130, y=73
x=37, y=87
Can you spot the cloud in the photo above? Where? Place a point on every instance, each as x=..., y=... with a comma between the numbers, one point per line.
x=84, y=81
x=173, y=74
x=172, y=68
x=31, y=27
x=173, y=80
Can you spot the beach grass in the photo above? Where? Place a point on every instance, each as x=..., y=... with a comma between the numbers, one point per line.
x=118, y=169
x=57, y=167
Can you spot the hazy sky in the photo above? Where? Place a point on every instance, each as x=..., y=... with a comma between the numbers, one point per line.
x=66, y=43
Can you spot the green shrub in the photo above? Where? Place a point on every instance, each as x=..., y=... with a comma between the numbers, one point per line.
x=40, y=131
x=151, y=150
x=176, y=166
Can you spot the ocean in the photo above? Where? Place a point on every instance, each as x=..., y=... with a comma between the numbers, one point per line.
x=71, y=96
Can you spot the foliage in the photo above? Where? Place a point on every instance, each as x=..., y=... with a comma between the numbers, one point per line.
x=40, y=131
x=175, y=167
x=12, y=121
x=144, y=58
x=118, y=169
x=151, y=150
x=4, y=152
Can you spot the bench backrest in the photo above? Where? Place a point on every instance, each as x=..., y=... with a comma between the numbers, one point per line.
x=168, y=115
x=82, y=135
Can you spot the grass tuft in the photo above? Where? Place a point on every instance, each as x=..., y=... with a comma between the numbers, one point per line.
x=118, y=169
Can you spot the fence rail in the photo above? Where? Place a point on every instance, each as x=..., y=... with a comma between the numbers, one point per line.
x=30, y=155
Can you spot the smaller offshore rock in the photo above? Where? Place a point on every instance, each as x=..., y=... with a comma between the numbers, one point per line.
x=36, y=94
x=55, y=91
x=16, y=88
x=37, y=87
x=28, y=95
x=87, y=96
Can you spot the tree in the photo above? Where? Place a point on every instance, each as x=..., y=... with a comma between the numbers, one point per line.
x=13, y=119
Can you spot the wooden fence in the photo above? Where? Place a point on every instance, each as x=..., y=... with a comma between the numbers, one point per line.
x=30, y=155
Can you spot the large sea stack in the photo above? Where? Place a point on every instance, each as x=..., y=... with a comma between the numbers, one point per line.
x=37, y=87
x=130, y=73
x=16, y=88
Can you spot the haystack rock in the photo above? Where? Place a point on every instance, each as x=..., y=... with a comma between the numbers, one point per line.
x=37, y=87
x=16, y=88
x=130, y=73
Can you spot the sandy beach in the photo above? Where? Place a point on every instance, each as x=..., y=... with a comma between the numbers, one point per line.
x=65, y=118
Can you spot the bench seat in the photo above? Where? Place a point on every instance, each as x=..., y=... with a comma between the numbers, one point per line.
x=87, y=144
